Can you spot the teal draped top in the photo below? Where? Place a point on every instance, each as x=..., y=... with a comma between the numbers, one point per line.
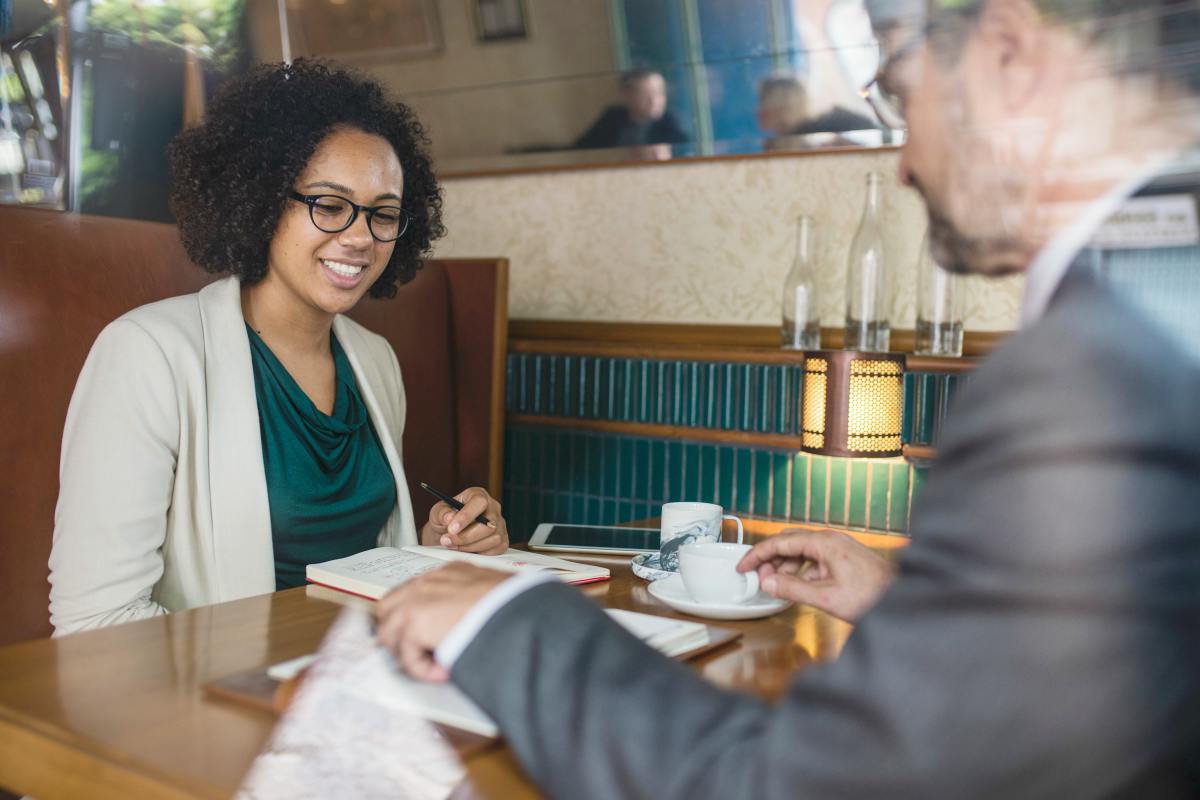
x=329, y=484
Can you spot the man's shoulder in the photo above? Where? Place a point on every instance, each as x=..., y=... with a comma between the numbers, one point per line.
x=1076, y=435
x=601, y=132
x=835, y=120
x=670, y=128
x=1090, y=362
x=1089, y=328
x=613, y=115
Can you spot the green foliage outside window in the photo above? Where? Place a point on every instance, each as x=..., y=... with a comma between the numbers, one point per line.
x=212, y=27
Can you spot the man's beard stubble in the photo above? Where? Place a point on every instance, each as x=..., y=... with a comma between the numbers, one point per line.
x=961, y=254
x=970, y=232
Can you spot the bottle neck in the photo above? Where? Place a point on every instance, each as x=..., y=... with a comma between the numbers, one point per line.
x=873, y=194
x=803, y=240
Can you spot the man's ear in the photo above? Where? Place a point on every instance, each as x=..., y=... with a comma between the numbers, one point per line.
x=1011, y=35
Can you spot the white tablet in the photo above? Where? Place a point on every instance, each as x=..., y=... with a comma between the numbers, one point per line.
x=608, y=539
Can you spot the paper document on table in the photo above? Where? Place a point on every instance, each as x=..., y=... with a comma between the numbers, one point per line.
x=671, y=637
x=345, y=735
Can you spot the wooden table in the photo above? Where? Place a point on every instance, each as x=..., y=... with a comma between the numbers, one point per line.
x=120, y=712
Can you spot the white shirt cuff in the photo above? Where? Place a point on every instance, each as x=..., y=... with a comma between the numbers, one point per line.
x=462, y=634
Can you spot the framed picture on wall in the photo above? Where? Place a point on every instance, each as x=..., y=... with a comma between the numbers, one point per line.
x=364, y=30
x=499, y=20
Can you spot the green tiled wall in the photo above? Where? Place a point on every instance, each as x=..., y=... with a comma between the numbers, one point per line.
x=553, y=474
x=927, y=398
x=761, y=398
x=742, y=397
x=589, y=477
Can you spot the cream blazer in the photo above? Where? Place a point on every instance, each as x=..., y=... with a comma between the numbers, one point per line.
x=162, y=499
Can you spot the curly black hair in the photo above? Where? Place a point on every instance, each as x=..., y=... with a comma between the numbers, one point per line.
x=231, y=174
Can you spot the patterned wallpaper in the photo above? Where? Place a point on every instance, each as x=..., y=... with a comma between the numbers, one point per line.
x=700, y=242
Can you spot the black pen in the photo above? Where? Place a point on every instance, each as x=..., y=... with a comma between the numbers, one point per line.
x=456, y=505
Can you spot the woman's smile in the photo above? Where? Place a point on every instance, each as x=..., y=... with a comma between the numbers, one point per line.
x=344, y=274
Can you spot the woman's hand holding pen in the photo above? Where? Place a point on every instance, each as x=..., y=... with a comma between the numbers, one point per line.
x=460, y=529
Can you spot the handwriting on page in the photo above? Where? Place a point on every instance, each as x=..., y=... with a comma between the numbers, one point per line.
x=392, y=568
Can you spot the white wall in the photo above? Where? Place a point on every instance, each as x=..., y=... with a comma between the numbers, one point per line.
x=700, y=242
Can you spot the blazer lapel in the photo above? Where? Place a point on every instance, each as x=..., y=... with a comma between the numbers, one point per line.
x=368, y=373
x=243, y=556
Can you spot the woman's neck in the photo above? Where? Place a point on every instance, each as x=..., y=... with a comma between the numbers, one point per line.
x=283, y=322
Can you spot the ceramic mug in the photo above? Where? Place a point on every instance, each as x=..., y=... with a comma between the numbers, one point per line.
x=709, y=571
x=684, y=523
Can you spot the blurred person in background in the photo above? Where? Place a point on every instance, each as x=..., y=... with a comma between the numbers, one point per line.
x=642, y=118
x=783, y=110
x=782, y=103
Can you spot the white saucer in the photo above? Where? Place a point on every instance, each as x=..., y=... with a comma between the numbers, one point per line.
x=671, y=591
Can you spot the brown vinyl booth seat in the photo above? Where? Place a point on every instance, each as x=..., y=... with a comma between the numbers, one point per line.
x=66, y=276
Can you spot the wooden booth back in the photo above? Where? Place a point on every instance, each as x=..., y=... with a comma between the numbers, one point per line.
x=65, y=276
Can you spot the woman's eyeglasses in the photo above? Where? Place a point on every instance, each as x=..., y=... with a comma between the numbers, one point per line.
x=333, y=213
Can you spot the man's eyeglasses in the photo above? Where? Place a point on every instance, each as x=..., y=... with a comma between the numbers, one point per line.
x=882, y=92
x=333, y=213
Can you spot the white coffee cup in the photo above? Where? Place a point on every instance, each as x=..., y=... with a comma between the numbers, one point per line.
x=700, y=520
x=685, y=523
x=710, y=573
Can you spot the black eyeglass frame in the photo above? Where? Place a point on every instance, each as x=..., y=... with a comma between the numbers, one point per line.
x=311, y=200
x=873, y=93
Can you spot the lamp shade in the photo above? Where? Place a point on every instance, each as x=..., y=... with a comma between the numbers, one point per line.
x=852, y=403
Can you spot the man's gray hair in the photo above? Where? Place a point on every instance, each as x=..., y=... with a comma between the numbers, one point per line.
x=1159, y=38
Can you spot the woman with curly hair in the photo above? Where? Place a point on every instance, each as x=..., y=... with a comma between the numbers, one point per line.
x=216, y=443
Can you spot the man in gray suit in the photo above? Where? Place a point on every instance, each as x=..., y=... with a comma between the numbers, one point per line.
x=1042, y=635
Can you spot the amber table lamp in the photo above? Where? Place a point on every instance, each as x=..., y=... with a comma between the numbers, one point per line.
x=852, y=404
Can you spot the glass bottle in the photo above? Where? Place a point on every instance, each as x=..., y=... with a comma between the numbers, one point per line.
x=939, y=307
x=867, y=325
x=801, y=320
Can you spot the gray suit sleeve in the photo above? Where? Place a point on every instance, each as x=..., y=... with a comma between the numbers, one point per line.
x=1039, y=641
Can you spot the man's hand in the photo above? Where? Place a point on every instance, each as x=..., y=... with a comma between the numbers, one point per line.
x=458, y=530
x=415, y=617
x=826, y=569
